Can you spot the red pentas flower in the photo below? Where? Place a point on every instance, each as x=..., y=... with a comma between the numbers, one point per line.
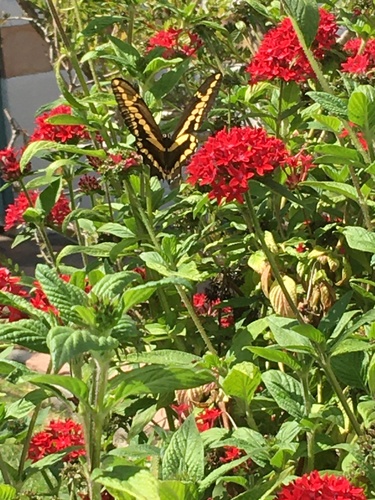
x=317, y=487
x=10, y=166
x=362, y=56
x=9, y=283
x=280, y=54
x=206, y=419
x=14, y=212
x=45, y=131
x=177, y=42
x=230, y=158
x=58, y=435
x=206, y=307
x=89, y=184
x=297, y=168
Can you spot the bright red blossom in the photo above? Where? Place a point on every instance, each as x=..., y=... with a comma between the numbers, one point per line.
x=280, y=54
x=362, y=56
x=230, y=158
x=10, y=166
x=231, y=453
x=297, y=168
x=14, y=212
x=177, y=42
x=9, y=283
x=317, y=487
x=45, y=131
x=57, y=436
x=206, y=419
x=206, y=307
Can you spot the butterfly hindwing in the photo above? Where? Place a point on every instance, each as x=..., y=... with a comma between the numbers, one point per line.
x=163, y=153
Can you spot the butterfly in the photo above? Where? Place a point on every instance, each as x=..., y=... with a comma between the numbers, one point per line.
x=165, y=154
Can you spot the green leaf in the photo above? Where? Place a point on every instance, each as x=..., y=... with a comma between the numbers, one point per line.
x=359, y=238
x=286, y=391
x=113, y=285
x=159, y=63
x=49, y=196
x=62, y=295
x=164, y=357
x=339, y=188
x=367, y=411
x=310, y=332
x=221, y=471
x=184, y=457
x=142, y=293
x=19, y=409
x=39, y=148
x=130, y=480
x=64, y=119
x=66, y=343
x=99, y=250
x=330, y=103
x=178, y=490
x=7, y=492
x=99, y=24
x=169, y=80
x=155, y=261
x=118, y=230
x=351, y=368
x=272, y=354
x=306, y=15
x=286, y=337
x=361, y=107
x=332, y=153
x=242, y=381
x=73, y=385
x=125, y=47
x=28, y=333
x=371, y=376
x=159, y=380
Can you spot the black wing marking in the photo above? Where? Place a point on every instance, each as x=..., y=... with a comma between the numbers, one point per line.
x=165, y=154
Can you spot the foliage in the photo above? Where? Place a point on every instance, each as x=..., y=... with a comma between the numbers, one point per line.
x=219, y=330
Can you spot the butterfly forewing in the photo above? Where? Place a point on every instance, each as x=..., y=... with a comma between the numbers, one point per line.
x=165, y=154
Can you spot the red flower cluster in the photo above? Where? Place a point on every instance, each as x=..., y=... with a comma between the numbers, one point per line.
x=9, y=283
x=231, y=453
x=10, y=165
x=105, y=496
x=230, y=158
x=57, y=436
x=297, y=168
x=141, y=271
x=177, y=42
x=206, y=307
x=301, y=248
x=206, y=419
x=89, y=184
x=317, y=487
x=45, y=131
x=362, y=56
x=14, y=212
x=280, y=54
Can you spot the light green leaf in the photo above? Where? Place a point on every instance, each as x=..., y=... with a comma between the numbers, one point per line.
x=130, y=480
x=66, y=343
x=164, y=357
x=334, y=105
x=178, y=490
x=286, y=391
x=73, y=385
x=28, y=333
x=272, y=354
x=113, y=285
x=242, y=381
x=184, y=457
x=99, y=250
x=339, y=188
x=7, y=492
x=310, y=332
x=359, y=238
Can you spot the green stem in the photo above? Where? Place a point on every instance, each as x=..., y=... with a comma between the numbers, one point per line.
x=270, y=257
x=190, y=308
x=5, y=472
x=361, y=199
x=326, y=365
x=48, y=481
x=310, y=435
x=280, y=103
x=40, y=228
x=81, y=239
x=108, y=196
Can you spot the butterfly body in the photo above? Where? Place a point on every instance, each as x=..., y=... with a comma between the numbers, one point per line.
x=165, y=154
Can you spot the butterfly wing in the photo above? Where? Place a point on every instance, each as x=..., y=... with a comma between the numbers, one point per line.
x=183, y=141
x=138, y=118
